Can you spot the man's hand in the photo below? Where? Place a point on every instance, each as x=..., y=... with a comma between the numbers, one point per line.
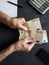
x=24, y=45
x=18, y=23
x=15, y=23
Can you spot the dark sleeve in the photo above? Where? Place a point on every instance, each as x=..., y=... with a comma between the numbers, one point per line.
x=7, y=36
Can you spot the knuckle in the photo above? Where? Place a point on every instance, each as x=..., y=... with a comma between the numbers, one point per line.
x=23, y=19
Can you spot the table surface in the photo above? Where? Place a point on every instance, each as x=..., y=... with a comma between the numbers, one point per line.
x=22, y=58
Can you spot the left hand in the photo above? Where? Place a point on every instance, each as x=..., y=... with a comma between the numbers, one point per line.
x=18, y=23
x=25, y=44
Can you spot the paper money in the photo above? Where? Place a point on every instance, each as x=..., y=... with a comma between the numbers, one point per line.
x=34, y=24
x=45, y=38
x=35, y=31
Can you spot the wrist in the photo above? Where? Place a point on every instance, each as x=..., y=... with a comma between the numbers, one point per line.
x=9, y=21
x=11, y=48
x=4, y=53
x=4, y=18
x=16, y=46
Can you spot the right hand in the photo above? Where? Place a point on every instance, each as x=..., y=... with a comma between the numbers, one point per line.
x=24, y=44
x=18, y=23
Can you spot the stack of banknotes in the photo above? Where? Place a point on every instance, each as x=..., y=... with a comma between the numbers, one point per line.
x=35, y=31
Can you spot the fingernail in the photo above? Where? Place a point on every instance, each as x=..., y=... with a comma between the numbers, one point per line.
x=26, y=29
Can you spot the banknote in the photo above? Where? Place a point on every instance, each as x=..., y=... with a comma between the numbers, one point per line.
x=42, y=37
x=45, y=37
x=35, y=31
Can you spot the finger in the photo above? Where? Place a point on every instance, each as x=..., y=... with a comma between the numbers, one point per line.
x=31, y=41
x=24, y=23
x=27, y=46
x=28, y=42
x=23, y=19
x=23, y=28
x=28, y=39
x=31, y=46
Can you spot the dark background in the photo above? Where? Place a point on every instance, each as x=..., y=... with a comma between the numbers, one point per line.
x=7, y=34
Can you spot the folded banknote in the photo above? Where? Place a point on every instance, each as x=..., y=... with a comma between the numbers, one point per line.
x=35, y=31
